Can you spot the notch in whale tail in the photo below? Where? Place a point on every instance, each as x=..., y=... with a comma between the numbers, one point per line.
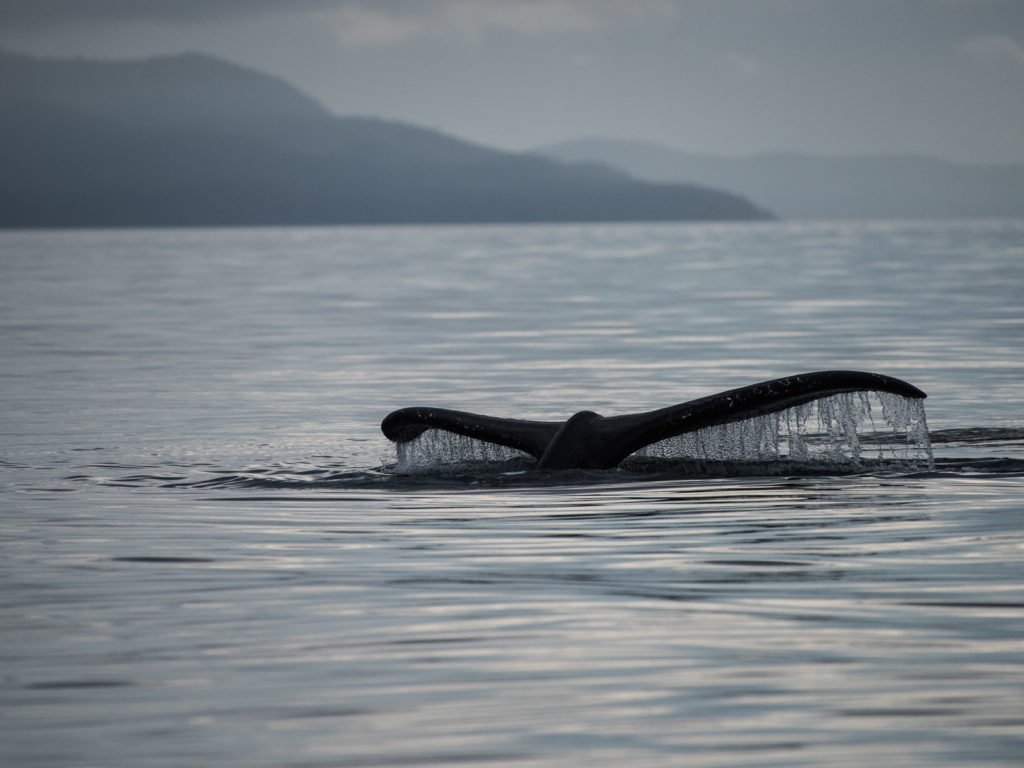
x=590, y=441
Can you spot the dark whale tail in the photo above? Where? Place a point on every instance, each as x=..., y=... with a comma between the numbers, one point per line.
x=589, y=441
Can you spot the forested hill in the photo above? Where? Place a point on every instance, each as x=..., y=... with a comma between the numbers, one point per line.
x=192, y=140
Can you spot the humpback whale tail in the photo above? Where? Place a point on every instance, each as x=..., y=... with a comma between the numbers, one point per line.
x=590, y=441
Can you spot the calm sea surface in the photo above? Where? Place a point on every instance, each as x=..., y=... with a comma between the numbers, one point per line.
x=206, y=562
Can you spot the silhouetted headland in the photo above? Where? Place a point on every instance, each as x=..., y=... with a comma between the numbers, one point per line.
x=192, y=140
x=800, y=186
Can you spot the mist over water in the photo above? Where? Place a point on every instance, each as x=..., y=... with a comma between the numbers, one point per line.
x=209, y=558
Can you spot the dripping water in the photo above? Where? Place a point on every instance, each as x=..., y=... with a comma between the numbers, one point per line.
x=850, y=431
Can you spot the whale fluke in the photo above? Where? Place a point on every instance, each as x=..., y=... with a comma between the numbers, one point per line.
x=590, y=441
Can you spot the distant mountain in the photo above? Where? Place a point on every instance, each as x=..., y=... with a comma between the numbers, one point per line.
x=193, y=140
x=811, y=187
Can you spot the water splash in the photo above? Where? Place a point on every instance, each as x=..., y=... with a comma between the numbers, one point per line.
x=436, y=449
x=848, y=431
x=835, y=431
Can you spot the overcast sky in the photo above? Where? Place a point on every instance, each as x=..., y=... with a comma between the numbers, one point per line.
x=937, y=77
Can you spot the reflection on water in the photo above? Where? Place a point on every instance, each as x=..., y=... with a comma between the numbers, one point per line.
x=209, y=560
x=632, y=621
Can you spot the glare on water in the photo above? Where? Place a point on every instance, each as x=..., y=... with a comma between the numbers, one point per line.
x=209, y=557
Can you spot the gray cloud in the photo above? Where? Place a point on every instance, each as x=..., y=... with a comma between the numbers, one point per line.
x=940, y=77
x=997, y=49
x=360, y=22
x=370, y=24
x=49, y=13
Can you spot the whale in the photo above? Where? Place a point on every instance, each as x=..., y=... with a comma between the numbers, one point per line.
x=587, y=440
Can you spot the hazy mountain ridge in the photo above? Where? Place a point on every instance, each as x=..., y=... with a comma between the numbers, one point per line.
x=818, y=187
x=193, y=140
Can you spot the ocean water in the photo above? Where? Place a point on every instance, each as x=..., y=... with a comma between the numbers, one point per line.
x=209, y=559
